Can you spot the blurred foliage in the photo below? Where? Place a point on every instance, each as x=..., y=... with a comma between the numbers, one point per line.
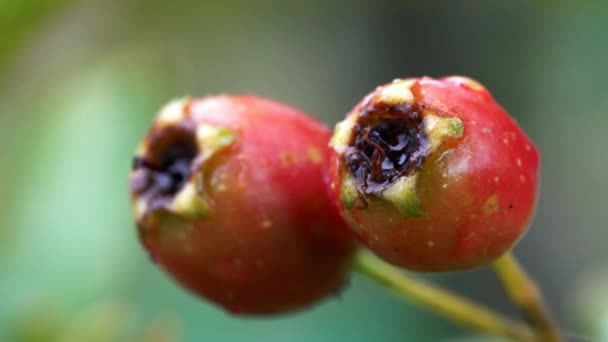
x=80, y=81
x=20, y=18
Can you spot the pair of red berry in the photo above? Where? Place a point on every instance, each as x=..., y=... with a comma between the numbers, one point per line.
x=242, y=200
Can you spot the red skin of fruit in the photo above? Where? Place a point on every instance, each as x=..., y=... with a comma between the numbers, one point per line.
x=477, y=192
x=273, y=241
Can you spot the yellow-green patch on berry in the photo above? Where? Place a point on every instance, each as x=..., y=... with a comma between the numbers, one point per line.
x=402, y=194
x=342, y=133
x=438, y=128
x=348, y=192
x=188, y=203
x=396, y=93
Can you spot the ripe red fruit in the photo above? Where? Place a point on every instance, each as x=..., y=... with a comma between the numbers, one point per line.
x=230, y=194
x=433, y=175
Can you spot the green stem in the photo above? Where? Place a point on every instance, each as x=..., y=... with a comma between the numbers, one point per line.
x=451, y=306
x=524, y=293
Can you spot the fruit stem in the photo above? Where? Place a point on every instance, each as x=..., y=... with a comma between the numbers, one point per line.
x=452, y=306
x=524, y=292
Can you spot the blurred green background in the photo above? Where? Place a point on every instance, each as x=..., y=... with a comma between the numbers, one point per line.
x=81, y=80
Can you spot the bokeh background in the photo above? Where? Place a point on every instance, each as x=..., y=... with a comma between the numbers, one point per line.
x=81, y=80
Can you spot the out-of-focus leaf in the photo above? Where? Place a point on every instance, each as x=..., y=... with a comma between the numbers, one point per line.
x=20, y=18
x=161, y=329
x=589, y=303
x=105, y=321
x=69, y=214
x=36, y=321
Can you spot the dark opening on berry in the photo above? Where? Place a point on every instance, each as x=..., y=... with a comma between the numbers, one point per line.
x=387, y=142
x=165, y=169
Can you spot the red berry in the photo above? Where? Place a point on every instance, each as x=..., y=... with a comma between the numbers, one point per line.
x=433, y=174
x=231, y=199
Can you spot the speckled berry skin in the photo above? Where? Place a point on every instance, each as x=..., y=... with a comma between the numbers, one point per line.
x=475, y=194
x=266, y=238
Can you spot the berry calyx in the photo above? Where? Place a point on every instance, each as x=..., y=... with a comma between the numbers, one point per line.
x=433, y=175
x=230, y=195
